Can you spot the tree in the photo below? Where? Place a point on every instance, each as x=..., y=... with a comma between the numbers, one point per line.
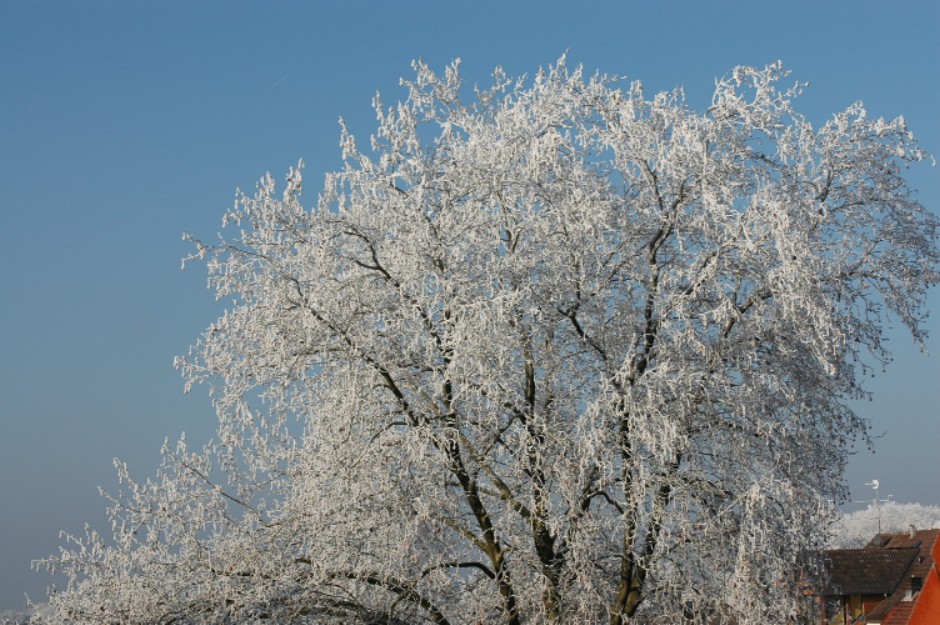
x=857, y=528
x=558, y=353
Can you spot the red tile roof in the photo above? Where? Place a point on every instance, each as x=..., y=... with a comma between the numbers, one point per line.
x=886, y=567
x=900, y=615
x=894, y=610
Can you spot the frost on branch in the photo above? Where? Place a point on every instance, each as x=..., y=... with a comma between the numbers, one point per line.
x=556, y=353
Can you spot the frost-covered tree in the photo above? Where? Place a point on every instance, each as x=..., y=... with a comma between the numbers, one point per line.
x=556, y=352
x=857, y=528
x=14, y=617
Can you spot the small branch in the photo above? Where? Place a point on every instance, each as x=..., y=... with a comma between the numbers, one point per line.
x=397, y=587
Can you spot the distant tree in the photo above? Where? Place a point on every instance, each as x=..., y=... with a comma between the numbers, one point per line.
x=857, y=528
x=34, y=614
x=561, y=353
x=13, y=617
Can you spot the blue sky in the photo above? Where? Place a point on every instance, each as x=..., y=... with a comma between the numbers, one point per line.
x=123, y=124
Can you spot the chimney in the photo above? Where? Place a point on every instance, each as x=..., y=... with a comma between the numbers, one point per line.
x=913, y=529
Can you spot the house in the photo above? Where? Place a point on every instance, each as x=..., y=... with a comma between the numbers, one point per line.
x=893, y=580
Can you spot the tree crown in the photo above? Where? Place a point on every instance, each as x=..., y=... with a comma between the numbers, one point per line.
x=558, y=352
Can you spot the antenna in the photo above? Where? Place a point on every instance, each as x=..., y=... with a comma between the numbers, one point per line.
x=875, y=484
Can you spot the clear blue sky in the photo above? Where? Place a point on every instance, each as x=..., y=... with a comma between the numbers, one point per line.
x=122, y=124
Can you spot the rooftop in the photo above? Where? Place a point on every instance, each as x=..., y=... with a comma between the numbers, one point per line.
x=868, y=571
